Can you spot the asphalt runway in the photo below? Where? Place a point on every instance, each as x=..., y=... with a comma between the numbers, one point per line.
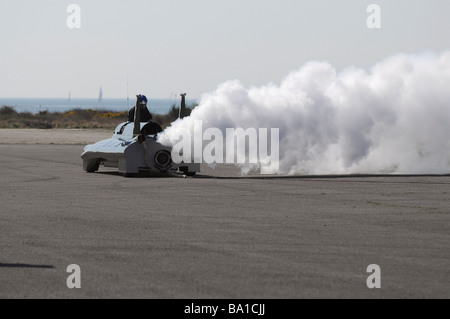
x=217, y=235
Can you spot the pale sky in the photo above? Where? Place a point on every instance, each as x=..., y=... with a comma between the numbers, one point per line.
x=166, y=47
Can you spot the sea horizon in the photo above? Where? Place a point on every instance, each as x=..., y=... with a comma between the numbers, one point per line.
x=36, y=105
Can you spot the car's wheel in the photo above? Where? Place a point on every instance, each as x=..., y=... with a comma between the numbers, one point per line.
x=186, y=171
x=91, y=166
x=189, y=173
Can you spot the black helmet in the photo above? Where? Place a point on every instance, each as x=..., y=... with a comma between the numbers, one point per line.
x=142, y=99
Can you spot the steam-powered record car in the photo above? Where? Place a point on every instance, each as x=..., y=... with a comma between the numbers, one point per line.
x=134, y=149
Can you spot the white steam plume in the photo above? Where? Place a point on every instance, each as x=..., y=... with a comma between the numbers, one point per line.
x=394, y=118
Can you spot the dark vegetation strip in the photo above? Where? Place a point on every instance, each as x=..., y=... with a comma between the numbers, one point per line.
x=77, y=118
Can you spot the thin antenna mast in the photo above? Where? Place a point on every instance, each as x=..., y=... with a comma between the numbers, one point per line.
x=128, y=95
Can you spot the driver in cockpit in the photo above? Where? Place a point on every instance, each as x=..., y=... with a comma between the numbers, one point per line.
x=145, y=113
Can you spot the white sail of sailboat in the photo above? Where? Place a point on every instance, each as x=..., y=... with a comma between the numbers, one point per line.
x=100, y=95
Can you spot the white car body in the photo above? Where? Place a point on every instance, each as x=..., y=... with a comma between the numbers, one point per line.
x=124, y=151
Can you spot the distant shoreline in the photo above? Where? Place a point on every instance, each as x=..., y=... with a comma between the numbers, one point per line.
x=36, y=105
